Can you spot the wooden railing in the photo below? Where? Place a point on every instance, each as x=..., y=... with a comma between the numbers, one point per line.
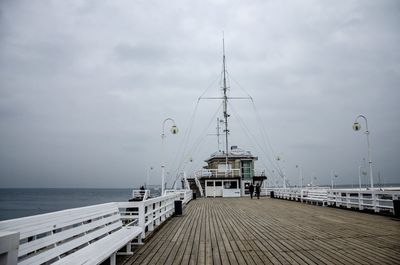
x=198, y=184
x=44, y=238
x=149, y=214
x=142, y=194
x=377, y=200
x=72, y=236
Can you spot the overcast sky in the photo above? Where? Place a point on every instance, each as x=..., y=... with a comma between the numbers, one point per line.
x=85, y=86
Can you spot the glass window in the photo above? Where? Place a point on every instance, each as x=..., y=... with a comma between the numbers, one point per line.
x=230, y=184
x=222, y=167
x=210, y=183
x=233, y=184
x=246, y=170
x=218, y=183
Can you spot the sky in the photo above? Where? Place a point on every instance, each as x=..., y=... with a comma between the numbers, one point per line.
x=86, y=85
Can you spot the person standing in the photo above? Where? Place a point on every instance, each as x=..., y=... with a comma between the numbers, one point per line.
x=251, y=190
x=258, y=191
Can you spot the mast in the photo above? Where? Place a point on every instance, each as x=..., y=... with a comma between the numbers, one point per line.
x=218, y=134
x=225, y=102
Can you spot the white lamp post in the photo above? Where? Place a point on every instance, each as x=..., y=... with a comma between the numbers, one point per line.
x=359, y=176
x=174, y=130
x=283, y=172
x=300, y=175
x=333, y=174
x=148, y=176
x=357, y=127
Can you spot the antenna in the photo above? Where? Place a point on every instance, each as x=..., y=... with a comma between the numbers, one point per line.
x=225, y=102
x=218, y=134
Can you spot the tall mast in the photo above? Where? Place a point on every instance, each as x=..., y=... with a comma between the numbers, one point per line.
x=226, y=115
x=218, y=134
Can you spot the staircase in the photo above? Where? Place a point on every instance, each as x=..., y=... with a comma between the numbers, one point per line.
x=195, y=186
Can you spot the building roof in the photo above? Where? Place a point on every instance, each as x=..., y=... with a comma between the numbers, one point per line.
x=234, y=153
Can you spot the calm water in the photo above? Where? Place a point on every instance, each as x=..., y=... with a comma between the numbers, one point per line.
x=16, y=203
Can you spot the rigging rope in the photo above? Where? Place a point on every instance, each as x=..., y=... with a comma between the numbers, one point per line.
x=264, y=134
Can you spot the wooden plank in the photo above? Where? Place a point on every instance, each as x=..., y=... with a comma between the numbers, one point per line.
x=271, y=231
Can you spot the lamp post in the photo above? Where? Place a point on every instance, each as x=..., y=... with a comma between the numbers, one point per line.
x=300, y=175
x=357, y=127
x=283, y=172
x=148, y=176
x=359, y=176
x=174, y=130
x=333, y=174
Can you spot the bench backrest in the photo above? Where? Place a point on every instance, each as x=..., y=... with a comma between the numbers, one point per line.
x=48, y=237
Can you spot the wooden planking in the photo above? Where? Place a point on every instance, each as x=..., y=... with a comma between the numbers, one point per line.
x=271, y=231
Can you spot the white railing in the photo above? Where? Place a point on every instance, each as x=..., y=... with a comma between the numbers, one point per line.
x=198, y=184
x=76, y=233
x=184, y=195
x=231, y=173
x=152, y=212
x=124, y=221
x=377, y=200
x=216, y=173
x=141, y=194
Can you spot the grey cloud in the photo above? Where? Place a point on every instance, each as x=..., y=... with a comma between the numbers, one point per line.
x=84, y=86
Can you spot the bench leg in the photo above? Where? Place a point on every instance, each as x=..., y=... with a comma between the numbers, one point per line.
x=113, y=259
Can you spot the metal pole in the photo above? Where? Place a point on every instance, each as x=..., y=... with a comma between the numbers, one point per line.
x=359, y=176
x=163, y=154
x=369, y=150
x=162, y=162
x=332, y=178
x=301, y=176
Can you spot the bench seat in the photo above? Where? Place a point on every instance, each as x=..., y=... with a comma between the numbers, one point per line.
x=86, y=235
x=100, y=250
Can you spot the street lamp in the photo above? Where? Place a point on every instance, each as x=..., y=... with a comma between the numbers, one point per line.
x=283, y=171
x=333, y=174
x=300, y=175
x=174, y=130
x=148, y=176
x=359, y=175
x=357, y=127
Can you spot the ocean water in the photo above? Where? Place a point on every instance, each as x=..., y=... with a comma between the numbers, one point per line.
x=15, y=203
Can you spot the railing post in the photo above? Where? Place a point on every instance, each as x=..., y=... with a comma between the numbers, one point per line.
x=9, y=244
x=142, y=218
x=375, y=200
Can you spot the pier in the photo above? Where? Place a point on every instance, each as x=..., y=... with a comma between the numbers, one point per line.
x=270, y=231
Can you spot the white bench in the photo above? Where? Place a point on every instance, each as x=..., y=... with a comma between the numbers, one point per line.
x=87, y=235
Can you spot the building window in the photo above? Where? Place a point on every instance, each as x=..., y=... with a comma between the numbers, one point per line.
x=222, y=167
x=230, y=184
x=210, y=183
x=246, y=170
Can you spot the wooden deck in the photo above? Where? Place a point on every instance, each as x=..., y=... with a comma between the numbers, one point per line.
x=271, y=231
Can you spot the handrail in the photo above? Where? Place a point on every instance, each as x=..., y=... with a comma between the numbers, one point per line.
x=377, y=200
x=141, y=194
x=198, y=184
x=152, y=212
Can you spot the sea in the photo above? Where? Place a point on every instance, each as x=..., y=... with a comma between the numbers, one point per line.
x=15, y=203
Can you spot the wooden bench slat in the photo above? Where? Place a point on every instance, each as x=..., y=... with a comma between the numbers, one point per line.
x=63, y=248
x=72, y=236
x=97, y=252
x=54, y=238
x=34, y=225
